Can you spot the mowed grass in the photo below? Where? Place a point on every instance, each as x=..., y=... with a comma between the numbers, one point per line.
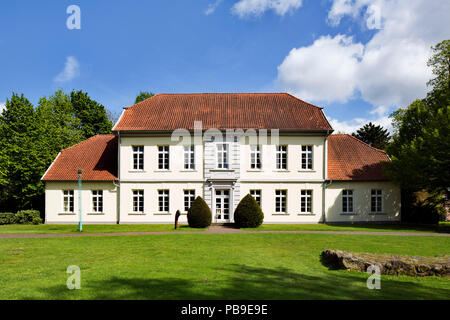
x=209, y=266
x=90, y=228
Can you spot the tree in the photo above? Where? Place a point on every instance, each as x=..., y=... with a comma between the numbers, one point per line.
x=420, y=150
x=143, y=95
x=375, y=136
x=93, y=117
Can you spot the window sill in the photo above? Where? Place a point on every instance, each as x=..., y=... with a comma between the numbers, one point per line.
x=348, y=214
x=96, y=214
x=188, y=170
x=280, y=214
x=306, y=170
x=255, y=170
x=222, y=170
x=306, y=214
x=162, y=170
x=67, y=214
x=136, y=214
x=162, y=214
x=137, y=171
x=281, y=170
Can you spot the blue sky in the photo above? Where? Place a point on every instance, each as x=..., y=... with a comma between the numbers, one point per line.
x=324, y=51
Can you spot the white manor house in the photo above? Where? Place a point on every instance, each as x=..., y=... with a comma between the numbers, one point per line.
x=169, y=149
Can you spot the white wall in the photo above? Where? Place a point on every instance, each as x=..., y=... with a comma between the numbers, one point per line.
x=151, y=214
x=54, y=203
x=361, y=202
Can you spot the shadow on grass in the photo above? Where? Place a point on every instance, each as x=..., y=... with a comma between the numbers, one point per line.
x=246, y=282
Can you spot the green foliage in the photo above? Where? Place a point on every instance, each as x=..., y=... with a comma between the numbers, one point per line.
x=248, y=213
x=143, y=95
x=6, y=218
x=440, y=62
x=28, y=217
x=199, y=214
x=373, y=135
x=93, y=117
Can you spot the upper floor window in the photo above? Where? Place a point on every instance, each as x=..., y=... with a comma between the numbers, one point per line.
x=307, y=158
x=255, y=157
x=189, y=197
x=97, y=201
x=138, y=201
x=163, y=201
x=376, y=201
x=280, y=201
x=222, y=156
x=306, y=201
x=281, y=157
x=138, y=157
x=189, y=157
x=68, y=201
x=347, y=201
x=257, y=195
x=163, y=157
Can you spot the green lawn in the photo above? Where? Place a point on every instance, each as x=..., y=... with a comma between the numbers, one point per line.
x=209, y=266
x=87, y=228
x=90, y=228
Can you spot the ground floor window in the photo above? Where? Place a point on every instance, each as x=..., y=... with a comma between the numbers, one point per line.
x=347, y=201
x=189, y=197
x=306, y=201
x=163, y=201
x=68, y=201
x=97, y=201
x=376, y=200
x=257, y=195
x=280, y=201
x=138, y=201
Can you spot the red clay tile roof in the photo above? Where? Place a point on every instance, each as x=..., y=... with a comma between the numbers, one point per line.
x=167, y=112
x=352, y=159
x=97, y=156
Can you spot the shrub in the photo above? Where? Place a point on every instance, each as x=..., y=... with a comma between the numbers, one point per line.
x=199, y=215
x=28, y=217
x=7, y=218
x=248, y=213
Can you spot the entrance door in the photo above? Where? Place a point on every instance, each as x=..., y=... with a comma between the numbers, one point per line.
x=222, y=206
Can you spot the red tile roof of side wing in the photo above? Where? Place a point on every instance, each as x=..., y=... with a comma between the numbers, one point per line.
x=352, y=159
x=166, y=112
x=97, y=156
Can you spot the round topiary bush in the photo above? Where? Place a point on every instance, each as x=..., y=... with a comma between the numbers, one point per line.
x=199, y=215
x=248, y=213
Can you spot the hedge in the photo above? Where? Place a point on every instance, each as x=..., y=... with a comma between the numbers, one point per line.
x=199, y=214
x=248, y=213
x=21, y=217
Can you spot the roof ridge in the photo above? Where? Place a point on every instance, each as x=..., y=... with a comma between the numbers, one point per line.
x=376, y=149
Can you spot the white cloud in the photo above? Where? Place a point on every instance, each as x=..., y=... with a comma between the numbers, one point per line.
x=71, y=70
x=245, y=8
x=212, y=7
x=391, y=70
x=324, y=71
x=350, y=126
x=2, y=106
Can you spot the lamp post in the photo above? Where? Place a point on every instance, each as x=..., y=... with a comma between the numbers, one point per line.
x=80, y=224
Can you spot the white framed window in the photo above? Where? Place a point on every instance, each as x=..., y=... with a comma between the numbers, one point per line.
x=281, y=154
x=347, y=201
x=138, y=201
x=306, y=201
x=163, y=201
x=255, y=157
x=280, y=201
x=222, y=156
x=189, y=197
x=189, y=157
x=376, y=201
x=163, y=157
x=257, y=195
x=68, y=201
x=138, y=157
x=307, y=157
x=97, y=201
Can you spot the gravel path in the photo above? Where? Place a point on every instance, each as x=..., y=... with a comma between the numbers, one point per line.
x=220, y=230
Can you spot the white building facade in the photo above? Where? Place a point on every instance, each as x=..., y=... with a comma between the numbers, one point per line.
x=170, y=149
